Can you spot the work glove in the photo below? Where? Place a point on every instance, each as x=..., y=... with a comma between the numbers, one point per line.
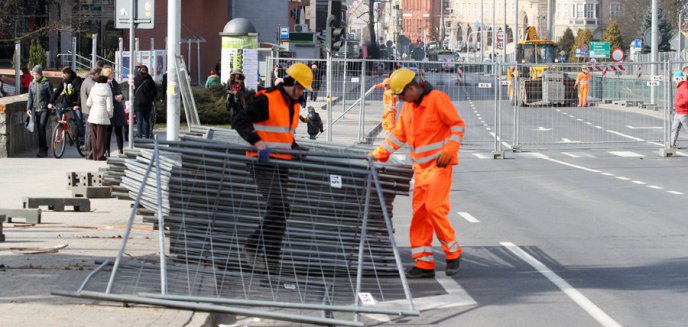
x=300, y=148
x=444, y=159
x=264, y=156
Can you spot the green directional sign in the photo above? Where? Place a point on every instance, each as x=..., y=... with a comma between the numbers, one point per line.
x=599, y=50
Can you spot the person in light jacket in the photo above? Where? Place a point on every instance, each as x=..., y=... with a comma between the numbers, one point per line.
x=38, y=105
x=101, y=106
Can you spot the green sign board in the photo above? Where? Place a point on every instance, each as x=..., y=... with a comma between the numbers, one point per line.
x=599, y=50
x=239, y=42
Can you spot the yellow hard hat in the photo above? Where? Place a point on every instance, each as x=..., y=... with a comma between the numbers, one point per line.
x=302, y=74
x=400, y=78
x=386, y=81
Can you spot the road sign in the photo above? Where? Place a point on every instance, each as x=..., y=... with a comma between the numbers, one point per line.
x=658, y=78
x=618, y=55
x=599, y=49
x=653, y=83
x=484, y=85
x=284, y=34
x=505, y=83
x=638, y=43
x=581, y=54
x=584, y=47
x=144, y=14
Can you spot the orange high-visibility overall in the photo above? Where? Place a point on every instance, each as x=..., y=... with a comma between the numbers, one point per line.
x=582, y=81
x=278, y=131
x=389, y=114
x=429, y=129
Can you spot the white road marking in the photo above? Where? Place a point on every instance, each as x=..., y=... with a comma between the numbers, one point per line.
x=577, y=297
x=483, y=156
x=565, y=140
x=607, y=174
x=639, y=182
x=579, y=119
x=655, y=187
x=540, y=128
x=599, y=127
x=468, y=217
x=570, y=155
x=626, y=136
x=487, y=128
x=589, y=123
x=626, y=154
x=456, y=296
x=682, y=154
x=675, y=192
x=645, y=127
x=623, y=178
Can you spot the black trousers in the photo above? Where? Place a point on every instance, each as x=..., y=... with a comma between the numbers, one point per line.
x=271, y=181
x=119, y=136
x=41, y=120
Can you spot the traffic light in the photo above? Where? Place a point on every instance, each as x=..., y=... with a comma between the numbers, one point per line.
x=335, y=34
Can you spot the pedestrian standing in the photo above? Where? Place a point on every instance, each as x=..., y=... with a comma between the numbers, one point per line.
x=316, y=82
x=432, y=128
x=38, y=105
x=83, y=125
x=680, y=105
x=269, y=123
x=582, y=83
x=313, y=122
x=25, y=80
x=145, y=92
x=213, y=80
x=389, y=102
x=118, y=119
x=236, y=94
x=101, y=107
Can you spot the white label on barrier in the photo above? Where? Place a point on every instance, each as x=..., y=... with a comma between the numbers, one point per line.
x=653, y=83
x=680, y=79
x=336, y=181
x=658, y=78
x=506, y=82
x=289, y=286
x=367, y=299
x=484, y=85
x=354, y=80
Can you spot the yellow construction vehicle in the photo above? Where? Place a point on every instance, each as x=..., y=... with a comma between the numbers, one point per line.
x=538, y=83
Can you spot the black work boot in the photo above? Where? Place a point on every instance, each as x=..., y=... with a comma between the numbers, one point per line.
x=416, y=272
x=453, y=266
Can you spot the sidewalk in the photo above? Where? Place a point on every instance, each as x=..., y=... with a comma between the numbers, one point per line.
x=26, y=280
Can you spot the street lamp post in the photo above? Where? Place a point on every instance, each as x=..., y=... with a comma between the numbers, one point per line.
x=482, y=52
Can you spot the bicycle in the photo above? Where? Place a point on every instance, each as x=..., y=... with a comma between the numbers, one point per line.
x=63, y=127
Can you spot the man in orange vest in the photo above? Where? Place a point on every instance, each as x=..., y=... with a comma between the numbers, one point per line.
x=389, y=101
x=582, y=82
x=432, y=128
x=269, y=122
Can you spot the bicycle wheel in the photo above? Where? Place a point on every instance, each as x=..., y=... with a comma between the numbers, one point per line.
x=58, y=143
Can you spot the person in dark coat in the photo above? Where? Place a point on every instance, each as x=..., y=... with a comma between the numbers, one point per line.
x=236, y=94
x=313, y=122
x=68, y=94
x=38, y=105
x=316, y=82
x=145, y=93
x=118, y=119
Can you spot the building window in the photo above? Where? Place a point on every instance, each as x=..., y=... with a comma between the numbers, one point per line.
x=580, y=10
x=614, y=9
x=590, y=11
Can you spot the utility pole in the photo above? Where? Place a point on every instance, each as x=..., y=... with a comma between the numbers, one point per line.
x=549, y=20
x=328, y=72
x=482, y=24
x=494, y=28
x=132, y=74
x=653, y=52
x=442, y=23
x=173, y=34
x=505, y=39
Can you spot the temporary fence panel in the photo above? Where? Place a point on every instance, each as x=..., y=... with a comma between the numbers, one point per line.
x=625, y=105
x=307, y=236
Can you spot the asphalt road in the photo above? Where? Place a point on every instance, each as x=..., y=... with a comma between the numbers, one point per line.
x=586, y=232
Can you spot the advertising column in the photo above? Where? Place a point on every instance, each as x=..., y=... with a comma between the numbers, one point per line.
x=240, y=52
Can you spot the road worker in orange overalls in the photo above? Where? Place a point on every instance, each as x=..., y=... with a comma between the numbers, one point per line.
x=389, y=101
x=432, y=128
x=582, y=83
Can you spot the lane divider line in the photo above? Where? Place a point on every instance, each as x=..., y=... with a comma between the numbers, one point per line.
x=593, y=310
x=468, y=217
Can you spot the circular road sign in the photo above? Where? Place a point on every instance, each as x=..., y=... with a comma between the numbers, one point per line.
x=618, y=55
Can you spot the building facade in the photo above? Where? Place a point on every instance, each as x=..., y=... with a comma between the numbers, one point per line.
x=421, y=20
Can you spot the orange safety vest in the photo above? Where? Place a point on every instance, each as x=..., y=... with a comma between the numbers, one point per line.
x=582, y=78
x=389, y=99
x=428, y=129
x=276, y=131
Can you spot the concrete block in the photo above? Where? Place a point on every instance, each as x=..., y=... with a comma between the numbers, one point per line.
x=58, y=204
x=92, y=192
x=30, y=216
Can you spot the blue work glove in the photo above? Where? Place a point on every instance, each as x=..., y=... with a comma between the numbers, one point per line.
x=264, y=155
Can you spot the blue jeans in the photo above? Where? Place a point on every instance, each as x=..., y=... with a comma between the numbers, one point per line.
x=143, y=124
